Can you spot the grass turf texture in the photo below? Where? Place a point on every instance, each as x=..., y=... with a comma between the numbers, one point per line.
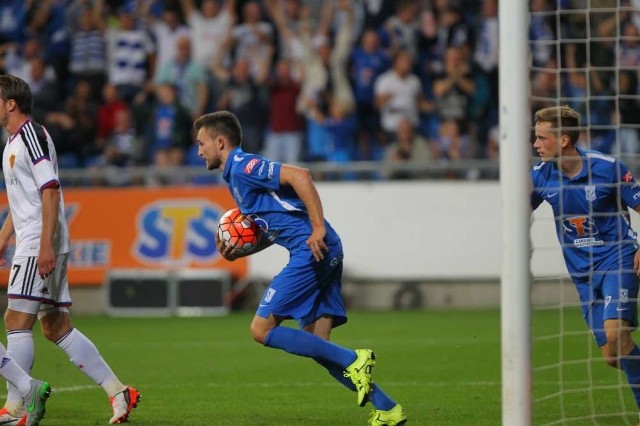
x=443, y=366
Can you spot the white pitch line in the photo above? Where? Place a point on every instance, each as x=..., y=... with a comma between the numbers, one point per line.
x=328, y=383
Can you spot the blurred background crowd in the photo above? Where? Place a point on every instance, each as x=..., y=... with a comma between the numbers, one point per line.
x=117, y=83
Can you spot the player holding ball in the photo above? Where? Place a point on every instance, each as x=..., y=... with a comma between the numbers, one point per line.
x=282, y=199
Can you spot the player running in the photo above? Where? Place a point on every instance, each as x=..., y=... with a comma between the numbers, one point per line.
x=38, y=286
x=590, y=194
x=283, y=200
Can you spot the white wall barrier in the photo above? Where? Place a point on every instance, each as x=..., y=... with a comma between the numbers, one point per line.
x=422, y=230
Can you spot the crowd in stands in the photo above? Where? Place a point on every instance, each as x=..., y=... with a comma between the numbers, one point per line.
x=119, y=82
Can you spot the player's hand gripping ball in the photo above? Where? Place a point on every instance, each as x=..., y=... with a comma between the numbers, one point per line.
x=238, y=232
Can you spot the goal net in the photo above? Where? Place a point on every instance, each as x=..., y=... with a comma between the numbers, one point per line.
x=584, y=54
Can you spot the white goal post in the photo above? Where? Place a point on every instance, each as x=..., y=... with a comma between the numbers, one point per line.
x=514, y=182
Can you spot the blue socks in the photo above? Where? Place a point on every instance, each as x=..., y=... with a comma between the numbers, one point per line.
x=378, y=398
x=631, y=365
x=331, y=356
x=300, y=342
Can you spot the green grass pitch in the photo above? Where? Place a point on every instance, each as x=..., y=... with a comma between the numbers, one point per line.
x=443, y=366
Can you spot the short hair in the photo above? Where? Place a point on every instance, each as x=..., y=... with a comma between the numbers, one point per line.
x=562, y=118
x=221, y=123
x=12, y=87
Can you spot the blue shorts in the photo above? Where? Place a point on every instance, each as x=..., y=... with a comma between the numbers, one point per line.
x=306, y=290
x=609, y=295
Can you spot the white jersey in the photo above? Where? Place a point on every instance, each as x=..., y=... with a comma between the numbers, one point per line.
x=30, y=165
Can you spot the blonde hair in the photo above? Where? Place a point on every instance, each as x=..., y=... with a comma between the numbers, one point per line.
x=563, y=118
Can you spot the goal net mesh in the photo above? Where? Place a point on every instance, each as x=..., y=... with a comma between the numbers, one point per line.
x=584, y=54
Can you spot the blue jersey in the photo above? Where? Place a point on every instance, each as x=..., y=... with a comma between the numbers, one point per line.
x=591, y=211
x=254, y=182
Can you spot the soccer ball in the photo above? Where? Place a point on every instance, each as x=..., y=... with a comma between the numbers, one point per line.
x=238, y=232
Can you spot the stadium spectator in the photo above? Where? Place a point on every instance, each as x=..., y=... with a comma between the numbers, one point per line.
x=545, y=86
x=376, y=12
x=49, y=23
x=288, y=17
x=253, y=39
x=166, y=30
x=629, y=55
x=188, y=77
x=407, y=147
x=399, y=95
x=454, y=89
x=88, y=58
x=44, y=90
x=75, y=127
x=246, y=96
x=326, y=81
x=339, y=130
x=164, y=125
x=109, y=107
x=122, y=149
x=486, y=54
x=13, y=21
x=540, y=32
x=443, y=27
x=284, y=140
x=628, y=117
x=368, y=62
x=130, y=51
x=18, y=58
x=451, y=143
x=209, y=26
x=400, y=30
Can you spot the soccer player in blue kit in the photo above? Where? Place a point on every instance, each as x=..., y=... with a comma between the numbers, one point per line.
x=284, y=201
x=590, y=194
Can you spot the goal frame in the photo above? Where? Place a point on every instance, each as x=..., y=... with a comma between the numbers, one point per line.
x=515, y=159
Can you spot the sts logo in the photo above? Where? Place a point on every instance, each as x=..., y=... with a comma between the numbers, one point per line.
x=583, y=231
x=177, y=232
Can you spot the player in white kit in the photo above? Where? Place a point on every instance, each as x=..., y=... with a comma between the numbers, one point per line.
x=38, y=286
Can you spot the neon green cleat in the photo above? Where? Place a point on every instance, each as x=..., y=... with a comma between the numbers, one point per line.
x=35, y=400
x=360, y=374
x=394, y=417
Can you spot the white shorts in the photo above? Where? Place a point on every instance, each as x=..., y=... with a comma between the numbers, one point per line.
x=27, y=292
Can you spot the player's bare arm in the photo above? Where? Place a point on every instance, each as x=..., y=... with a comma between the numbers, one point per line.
x=46, y=256
x=6, y=232
x=301, y=182
x=230, y=254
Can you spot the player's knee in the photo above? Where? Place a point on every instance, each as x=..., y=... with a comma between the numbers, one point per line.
x=54, y=334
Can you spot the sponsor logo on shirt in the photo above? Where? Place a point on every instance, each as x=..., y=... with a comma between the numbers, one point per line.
x=261, y=169
x=582, y=227
x=270, y=172
x=250, y=165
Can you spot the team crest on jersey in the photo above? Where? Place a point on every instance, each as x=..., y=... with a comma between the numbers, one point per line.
x=624, y=296
x=590, y=192
x=270, y=293
x=12, y=160
x=628, y=177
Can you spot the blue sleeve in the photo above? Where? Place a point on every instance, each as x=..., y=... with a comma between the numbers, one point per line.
x=536, y=199
x=629, y=188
